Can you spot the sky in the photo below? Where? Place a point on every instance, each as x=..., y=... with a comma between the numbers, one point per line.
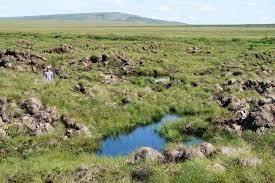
x=188, y=11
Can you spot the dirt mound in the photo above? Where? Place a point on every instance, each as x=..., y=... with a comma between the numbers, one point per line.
x=252, y=113
x=119, y=65
x=31, y=117
x=25, y=43
x=14, y=59
x=73, y=128
x=61, y=49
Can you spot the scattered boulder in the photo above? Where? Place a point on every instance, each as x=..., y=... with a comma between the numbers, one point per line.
x=192, y=50
x=174, y=155
x=73, y=128
x=192, y=153
x=183, y=153
x=97, y=59
x=146, y=154
x=80, y=88
x=206, y=148
x=125, y=101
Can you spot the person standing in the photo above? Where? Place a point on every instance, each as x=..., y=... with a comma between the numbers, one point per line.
x=48, y=74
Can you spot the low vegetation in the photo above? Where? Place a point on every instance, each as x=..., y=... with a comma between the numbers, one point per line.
x=221, y=81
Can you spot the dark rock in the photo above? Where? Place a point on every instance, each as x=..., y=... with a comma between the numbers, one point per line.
x=81, y=88
x=105, y=57
x=226, y=101
x=237, y=73
x=126, y=101
x=94, y=59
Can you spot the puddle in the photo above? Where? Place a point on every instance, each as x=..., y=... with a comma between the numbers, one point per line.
x=162, y=80
x=146, y=136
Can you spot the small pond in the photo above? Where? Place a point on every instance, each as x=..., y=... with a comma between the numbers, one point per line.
x=145, y=136
x=162, y=80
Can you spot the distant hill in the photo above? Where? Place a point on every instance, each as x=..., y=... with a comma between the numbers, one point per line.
x=96, y=17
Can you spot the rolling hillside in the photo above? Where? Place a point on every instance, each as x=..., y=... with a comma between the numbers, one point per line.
x=96, y=17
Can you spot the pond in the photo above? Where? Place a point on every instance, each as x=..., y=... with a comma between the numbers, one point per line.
x=162, y=80
x=145, y=136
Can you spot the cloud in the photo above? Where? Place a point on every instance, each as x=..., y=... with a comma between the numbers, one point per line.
x=118, y=2
x=206, y=8
x=164, y=8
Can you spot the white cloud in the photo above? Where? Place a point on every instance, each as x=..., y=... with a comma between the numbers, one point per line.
x=206, y=8
x=118, y=2
x=164, y=8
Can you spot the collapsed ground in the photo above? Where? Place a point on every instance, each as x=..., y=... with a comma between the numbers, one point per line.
x=223, y=88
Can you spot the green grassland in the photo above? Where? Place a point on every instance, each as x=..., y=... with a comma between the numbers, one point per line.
x=36, y=159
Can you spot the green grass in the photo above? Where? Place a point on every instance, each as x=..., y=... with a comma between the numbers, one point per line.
x=32, y=159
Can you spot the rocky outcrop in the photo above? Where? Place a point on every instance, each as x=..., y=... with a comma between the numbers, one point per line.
x=188, y=153
x=146, y=154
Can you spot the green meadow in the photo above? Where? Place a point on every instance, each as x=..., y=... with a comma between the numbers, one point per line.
x=153, y=51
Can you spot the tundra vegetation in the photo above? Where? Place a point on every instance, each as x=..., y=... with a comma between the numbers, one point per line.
x=221, y=81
